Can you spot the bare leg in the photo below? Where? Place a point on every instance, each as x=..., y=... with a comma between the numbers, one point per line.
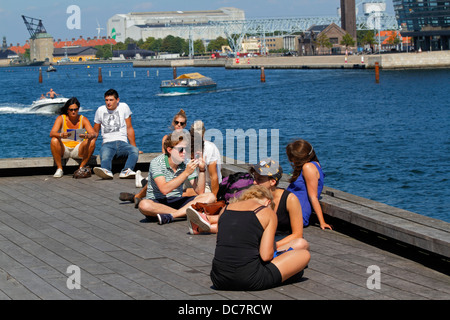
x=292, y=262
x=150, y=208
x=86, y=150
x=57, y=148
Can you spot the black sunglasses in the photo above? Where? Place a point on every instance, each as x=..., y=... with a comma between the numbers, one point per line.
x=180, y=123
x=180, y=149
x=76, y=109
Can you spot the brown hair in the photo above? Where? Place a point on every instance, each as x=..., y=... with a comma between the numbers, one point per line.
x=300, y=152
x=173, y=139
x=180, y=113
x=257, y=192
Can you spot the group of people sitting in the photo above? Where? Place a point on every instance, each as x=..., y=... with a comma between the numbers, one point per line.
x=72, y=136
x=260, y=241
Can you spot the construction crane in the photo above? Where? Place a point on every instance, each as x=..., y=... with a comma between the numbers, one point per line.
x=34, y=26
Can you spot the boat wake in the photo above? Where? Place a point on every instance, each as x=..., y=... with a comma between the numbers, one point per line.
x=174, y=94
x=17, y=108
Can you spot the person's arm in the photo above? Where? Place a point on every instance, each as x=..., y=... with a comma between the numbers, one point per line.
x=167, y=186
x=296, y=218
x=130, y=132
x=54, y=132
x=91, y=133
x=97, y=127
x=214, y=177
x=200, y=182
x=266, y=248
x=310, y=174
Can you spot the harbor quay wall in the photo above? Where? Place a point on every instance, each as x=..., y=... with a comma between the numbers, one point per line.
x=420, y=232
x=411, y=60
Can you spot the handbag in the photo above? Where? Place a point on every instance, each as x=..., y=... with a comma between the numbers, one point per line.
x=83, y=172
x=209, y=208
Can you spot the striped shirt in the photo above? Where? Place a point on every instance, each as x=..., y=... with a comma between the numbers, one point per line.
x=159, y=166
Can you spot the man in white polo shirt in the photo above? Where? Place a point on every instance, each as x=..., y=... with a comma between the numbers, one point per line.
x=166, y=177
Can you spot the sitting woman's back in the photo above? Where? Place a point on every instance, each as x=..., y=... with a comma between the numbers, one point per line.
x=243, y=258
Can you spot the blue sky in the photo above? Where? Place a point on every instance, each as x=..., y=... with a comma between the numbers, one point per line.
x=55, y=17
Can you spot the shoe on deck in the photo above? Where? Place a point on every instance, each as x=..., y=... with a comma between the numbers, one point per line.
x=58, y=174
x=164, y=218
x=103, y=173
x=126, y=196
x=138, y=179
x=198, y=219
x=127, y=174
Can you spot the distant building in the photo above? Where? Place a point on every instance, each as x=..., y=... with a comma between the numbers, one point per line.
x=348, y=17
x=133, y=52
x=426, y=21
x=75, y=54
x=308, y=40
x=141, y=25
x=6, y=55
x=41, y=47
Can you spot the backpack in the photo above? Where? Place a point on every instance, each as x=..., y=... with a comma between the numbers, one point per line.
x=233, y=185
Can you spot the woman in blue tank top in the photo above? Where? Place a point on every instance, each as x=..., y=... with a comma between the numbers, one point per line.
x=307, y=179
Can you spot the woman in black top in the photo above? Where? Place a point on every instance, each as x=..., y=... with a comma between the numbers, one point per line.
x=289, y=233
x=244, y=255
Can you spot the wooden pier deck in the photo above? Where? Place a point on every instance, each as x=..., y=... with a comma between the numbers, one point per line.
x=47, y=225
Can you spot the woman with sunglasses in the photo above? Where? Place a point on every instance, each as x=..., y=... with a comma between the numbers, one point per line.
x=167, y=174
x=66, y=139
x=179, y=122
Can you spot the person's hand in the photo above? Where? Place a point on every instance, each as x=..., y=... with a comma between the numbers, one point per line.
x=191, y=166
x=63, y=135
x=326, y=226
x=201, y=162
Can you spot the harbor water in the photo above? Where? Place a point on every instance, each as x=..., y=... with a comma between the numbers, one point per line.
x=386, y=141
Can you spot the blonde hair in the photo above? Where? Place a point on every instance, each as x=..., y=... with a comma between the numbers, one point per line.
x=258, y=193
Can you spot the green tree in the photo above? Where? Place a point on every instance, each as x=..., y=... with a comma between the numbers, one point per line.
x=347, y=41
x=199, y=47
x=216, y=45
x=323, y=41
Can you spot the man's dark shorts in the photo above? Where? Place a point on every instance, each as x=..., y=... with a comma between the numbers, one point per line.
x=175, y=202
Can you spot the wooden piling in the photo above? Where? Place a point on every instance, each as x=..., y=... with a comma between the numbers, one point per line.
x=263, y=76
x=100, y=78
x=40, y=75
x=377, y=72
x=174, y=72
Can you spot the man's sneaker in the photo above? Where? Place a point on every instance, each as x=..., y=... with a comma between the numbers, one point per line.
x=164, y=218
x=127, y=174
x=138, y=179
x=58, y=174
x=103, y=173
x=198, y=219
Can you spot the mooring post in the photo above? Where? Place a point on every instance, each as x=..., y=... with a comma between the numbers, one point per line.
x=377, y=72
x=263, y=76
x=40, y=75
x=174, y=72
x=100, y=78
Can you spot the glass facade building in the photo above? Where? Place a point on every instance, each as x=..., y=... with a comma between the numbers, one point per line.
x=426, y=21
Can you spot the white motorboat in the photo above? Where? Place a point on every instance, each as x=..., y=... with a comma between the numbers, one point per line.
x=51, y=105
